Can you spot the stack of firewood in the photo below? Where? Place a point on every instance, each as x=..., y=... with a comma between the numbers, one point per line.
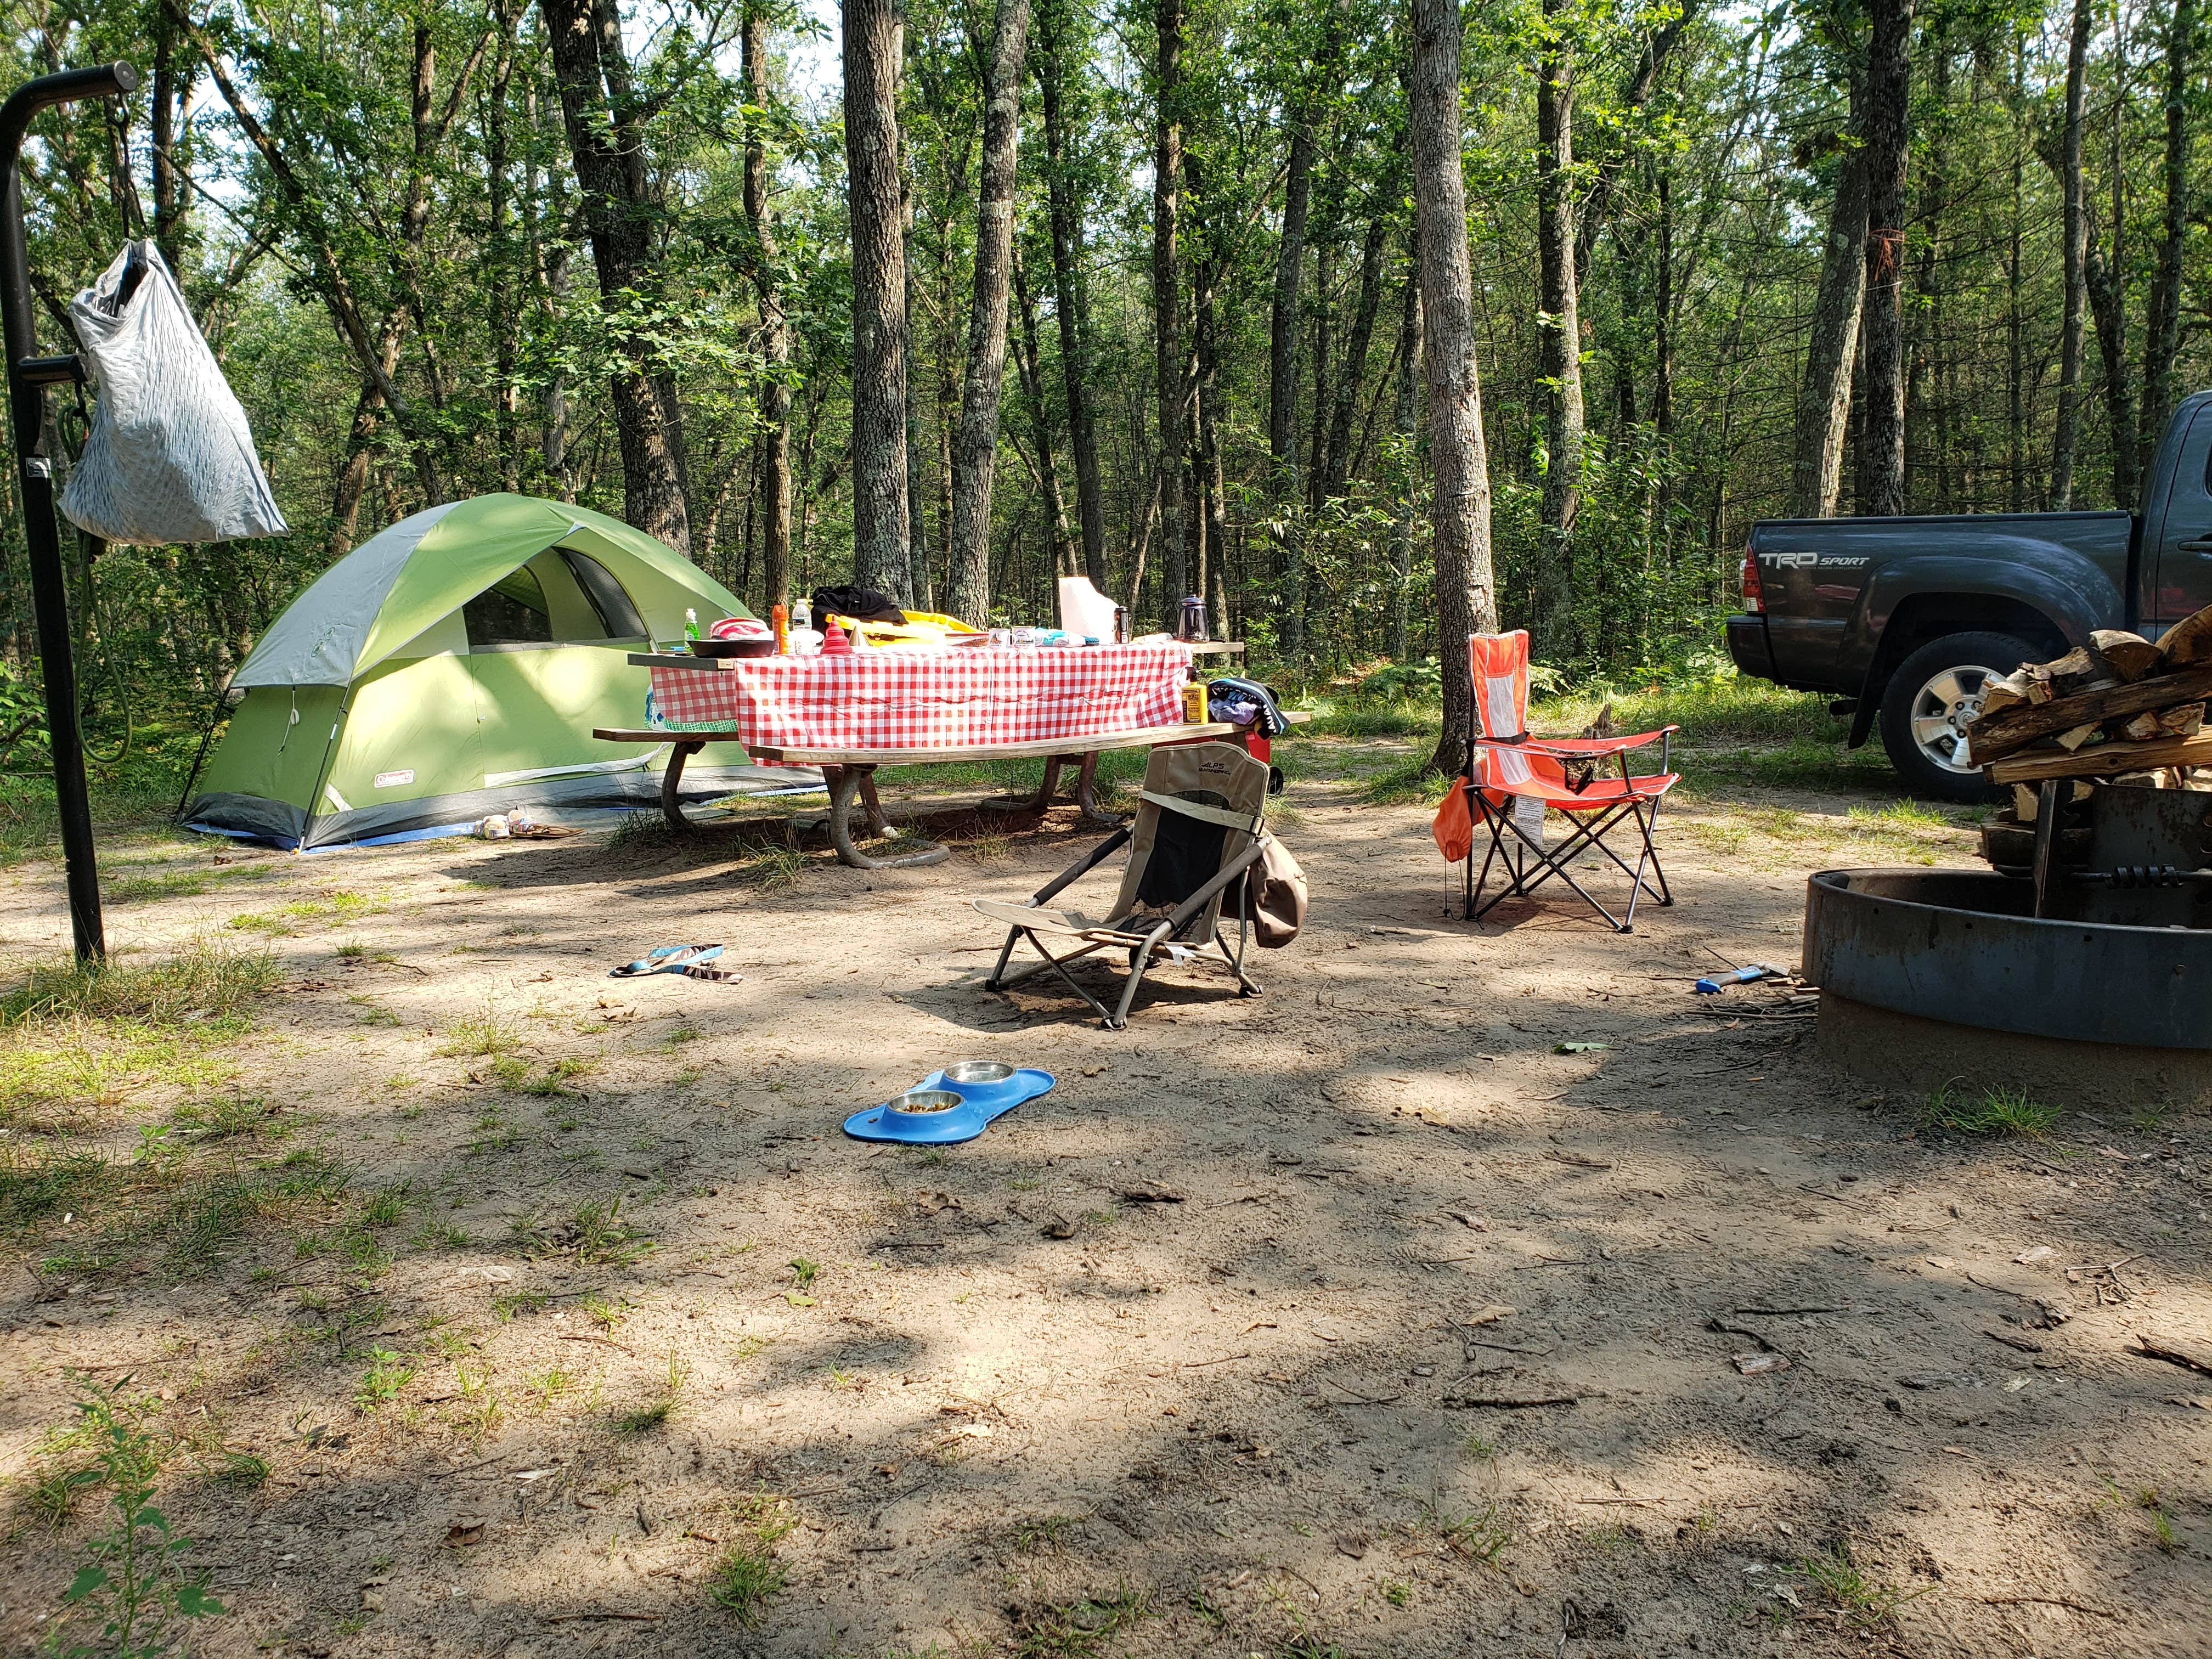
x=2119, y=705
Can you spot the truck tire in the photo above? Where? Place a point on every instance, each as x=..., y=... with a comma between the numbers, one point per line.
x=1929, y=696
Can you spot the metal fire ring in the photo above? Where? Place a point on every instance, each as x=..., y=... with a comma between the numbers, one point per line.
x=1963, y=947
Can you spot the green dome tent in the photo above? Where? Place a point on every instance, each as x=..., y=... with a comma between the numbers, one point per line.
x=452, y=666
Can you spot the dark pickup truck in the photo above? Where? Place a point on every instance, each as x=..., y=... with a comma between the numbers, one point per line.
x=1902, y=619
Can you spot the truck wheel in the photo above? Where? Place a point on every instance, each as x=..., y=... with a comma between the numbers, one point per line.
x=1929, y=699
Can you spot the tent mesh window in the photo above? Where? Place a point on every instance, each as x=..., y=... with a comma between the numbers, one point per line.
x=510, y=611
x=613, y=607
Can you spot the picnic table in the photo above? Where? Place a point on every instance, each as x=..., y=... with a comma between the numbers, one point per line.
x=849, y=715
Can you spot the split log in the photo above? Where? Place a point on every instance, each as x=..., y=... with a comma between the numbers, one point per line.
x=2003, y=691
x=2183, y=721
x=2104, y=761
x=2073, y=739
x=2142, y=728
x=2069, y=672
x=2188, y=641
x=2129, y=656
x=1992, y=736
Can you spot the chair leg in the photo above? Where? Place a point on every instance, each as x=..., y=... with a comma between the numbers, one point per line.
x=1246, y=985
x=998, y=973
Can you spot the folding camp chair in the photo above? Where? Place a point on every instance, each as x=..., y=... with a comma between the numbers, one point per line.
x=1511, y=779
x=1198, y=831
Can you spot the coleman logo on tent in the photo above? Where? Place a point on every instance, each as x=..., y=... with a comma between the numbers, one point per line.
x=393, y=779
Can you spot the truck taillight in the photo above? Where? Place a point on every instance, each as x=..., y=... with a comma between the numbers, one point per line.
x=1753, y=600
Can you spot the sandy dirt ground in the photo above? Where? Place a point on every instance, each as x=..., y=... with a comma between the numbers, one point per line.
x=1478, y=1291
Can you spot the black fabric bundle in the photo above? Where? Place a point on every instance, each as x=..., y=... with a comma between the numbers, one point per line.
x=862, y=603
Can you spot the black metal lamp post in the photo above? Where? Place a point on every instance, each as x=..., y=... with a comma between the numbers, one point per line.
x=28, y=377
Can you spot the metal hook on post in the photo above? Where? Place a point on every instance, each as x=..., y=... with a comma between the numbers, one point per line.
x=28, y=377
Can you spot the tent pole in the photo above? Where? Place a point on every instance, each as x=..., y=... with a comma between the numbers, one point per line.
x=28, y=377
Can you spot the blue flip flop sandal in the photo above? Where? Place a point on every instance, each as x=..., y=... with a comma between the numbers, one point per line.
x=689, y=960
x=952, y=1105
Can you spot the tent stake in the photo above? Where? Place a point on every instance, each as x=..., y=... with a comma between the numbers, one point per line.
x=28, y=377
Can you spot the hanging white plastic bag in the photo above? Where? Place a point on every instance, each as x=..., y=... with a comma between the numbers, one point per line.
x=170, y=458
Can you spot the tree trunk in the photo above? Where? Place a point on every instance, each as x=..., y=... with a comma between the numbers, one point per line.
x=172, y=101
x=1209, y=511
x=1283, y=389
x=1336, y=474
x=2105, y=282
x=1404, y=415
x=975, y=451
x=1824, y=397
x=2015, y=351
x=1166, y=332
x=1067, y=554
x=774, y=490
x=1889, y=83
x=1068, y=294
x=2076, y=241
x=506, y=320
x=879, y=366
x=1465, y=590
x=1559, y=331
x=608, y=164
x=2162, y=335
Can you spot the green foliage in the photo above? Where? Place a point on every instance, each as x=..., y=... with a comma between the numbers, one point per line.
x=1864, y=1602
x=136, y=1584
x=748, y=1575
x=1995, y=1111
x=1073, y=1630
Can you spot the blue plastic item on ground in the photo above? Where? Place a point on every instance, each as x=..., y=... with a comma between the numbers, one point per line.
x=949, y=1106
x=1750, y=976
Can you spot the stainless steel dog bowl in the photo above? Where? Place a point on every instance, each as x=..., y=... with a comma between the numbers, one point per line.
x=915, y=1102
x=978, y=1071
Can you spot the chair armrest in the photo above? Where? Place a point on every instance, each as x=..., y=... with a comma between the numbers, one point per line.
x=1189, y=908
x=1083, y=866
x=1582, y=747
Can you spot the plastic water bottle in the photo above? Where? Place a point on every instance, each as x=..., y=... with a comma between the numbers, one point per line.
x=690, y=624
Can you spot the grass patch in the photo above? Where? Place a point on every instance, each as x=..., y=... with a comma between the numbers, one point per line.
x=1055, y=1630
x=1999, y=1111
x=1864, y=1602
x=1906, y=814
x=387, y=1374
x=334, y=907
x=774, y=869
x=82, y=1034
x=662, y=1406
x=748, y=1575
x=490, y=1032
x=594, y=1233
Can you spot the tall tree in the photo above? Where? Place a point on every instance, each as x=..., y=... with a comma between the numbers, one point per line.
x=768, y=287
x=1559, y=330
x=2075, y=233
x=1066, y=217
x=2162, y=335
x=1824, y=395
x=1889, y=87
x=879, y=365
x=1404, y=415
x=607, y=149
x=1167, y=303
x=1467, y=599
x=975, y=449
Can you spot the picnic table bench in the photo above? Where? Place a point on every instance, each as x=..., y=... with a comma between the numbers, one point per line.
x=848, y=772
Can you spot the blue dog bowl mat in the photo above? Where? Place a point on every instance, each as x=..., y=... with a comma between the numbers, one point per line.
x=949, y=1106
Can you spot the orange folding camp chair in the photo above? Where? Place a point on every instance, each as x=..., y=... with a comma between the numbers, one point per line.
x=1511, y=780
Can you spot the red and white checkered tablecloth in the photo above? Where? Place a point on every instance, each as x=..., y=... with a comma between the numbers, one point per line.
x=969, y=697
